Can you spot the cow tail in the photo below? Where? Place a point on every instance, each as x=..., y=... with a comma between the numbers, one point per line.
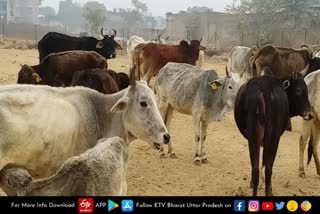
x=310, y=147
x=254, y=147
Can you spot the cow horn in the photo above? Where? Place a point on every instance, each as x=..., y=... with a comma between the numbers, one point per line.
x=114, y=32
x=167, y=38
x=102, y=32
x=159, y=38
x=132, y=77
x=228, y=73
x=200, y=40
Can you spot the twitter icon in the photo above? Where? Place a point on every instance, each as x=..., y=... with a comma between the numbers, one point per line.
x=279, y=206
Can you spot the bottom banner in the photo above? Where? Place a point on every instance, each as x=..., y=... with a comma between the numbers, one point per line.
x=129, y=204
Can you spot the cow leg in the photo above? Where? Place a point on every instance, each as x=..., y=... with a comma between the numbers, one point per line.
x=269, y=155
x=204, y=127
x=316, y=138
x=167, y=122
x=254, y=151
x=197, y=155
x=305, y=136
x=163, y=108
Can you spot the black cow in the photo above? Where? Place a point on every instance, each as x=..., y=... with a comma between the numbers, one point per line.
x=54, y=42
x=263, y=108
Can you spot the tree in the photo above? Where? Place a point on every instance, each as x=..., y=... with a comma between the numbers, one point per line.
x=47, y=11
x=139, y=6
x=95, y=16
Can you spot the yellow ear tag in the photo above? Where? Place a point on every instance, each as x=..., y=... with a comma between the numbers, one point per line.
x=38, y=79
x=214, y=86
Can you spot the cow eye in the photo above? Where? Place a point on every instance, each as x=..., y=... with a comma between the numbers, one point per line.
x=143, y=104
x=230, y=87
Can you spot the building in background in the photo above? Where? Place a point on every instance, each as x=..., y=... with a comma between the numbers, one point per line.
x=20, y=11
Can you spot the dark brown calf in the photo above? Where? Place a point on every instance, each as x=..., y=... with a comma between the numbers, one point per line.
x=57, y=69
x=97, y=79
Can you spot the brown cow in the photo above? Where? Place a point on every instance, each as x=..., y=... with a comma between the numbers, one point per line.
x=57, y=69
x=151, y=57
x=282, y=60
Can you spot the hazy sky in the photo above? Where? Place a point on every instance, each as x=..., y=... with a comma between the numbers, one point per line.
x=157, y=7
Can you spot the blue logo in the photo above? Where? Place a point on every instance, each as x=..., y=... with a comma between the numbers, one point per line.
x=239, y=205
x=279, y=206
x=127, y=206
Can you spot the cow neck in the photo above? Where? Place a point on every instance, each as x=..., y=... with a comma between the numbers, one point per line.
x=218, y=105
x=110, y=124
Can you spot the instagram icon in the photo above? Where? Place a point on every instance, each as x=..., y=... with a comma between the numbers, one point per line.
x=253, y=206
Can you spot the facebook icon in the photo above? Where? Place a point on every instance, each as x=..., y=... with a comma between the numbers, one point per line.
x=239, y=206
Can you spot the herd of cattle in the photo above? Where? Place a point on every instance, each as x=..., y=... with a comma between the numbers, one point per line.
x=67, y=124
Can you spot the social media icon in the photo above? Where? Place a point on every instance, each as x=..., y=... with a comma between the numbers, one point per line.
x=305, y=206
x=253, y=206
x=267, y=205
x=279, y=206
x=127, y=206
x=112, y=205
x=85, y=205
x=292, y=206
x=239, y=205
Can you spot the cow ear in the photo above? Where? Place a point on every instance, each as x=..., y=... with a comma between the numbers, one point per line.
x=117, y=46
x=286, y=84
x=99, y=45
x=216, y=84
x=120, y=105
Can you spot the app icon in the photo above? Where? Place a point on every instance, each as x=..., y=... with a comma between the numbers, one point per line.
x=292, y=206
x=85, y=205
x=126, y=205
x=267, y=205
x=253, y=206
x=239, y=205
x=305, y=206
x=279, y=206
x=112, y=205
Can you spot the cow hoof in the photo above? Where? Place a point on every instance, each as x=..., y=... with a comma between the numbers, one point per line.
x=163, y=156
x=197, y=162
x=173, y=155
x=205, y=161
x=302, y=175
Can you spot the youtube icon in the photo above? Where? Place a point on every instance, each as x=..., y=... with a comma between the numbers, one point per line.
x=267, y=205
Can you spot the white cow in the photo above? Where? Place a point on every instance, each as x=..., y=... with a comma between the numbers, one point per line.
x=239, y=61
x=43, y=126
x=193, y=91
x=101, y=170
x=136, y=40
x=311, y=128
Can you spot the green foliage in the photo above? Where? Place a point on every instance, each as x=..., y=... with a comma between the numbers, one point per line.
x=95, y=15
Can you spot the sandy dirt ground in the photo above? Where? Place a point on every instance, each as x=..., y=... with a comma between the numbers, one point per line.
x=228, y=171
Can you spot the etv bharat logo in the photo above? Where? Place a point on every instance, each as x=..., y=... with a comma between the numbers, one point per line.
x=85, y=205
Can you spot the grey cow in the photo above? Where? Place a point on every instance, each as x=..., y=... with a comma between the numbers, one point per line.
x=101, y=170
x=239, y=61
x=193, y=91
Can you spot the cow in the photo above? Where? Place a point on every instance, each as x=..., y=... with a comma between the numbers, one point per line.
x=282, y=61
x=57, y=69
x=262, y=110
x=310, y=129
x=54, y=42
x=43, y=126
x=239, y=61
x=100, y=171
x=98, y=79
x=193, y=91
x=314, y=49
x=121, y=79
x=151, y=57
